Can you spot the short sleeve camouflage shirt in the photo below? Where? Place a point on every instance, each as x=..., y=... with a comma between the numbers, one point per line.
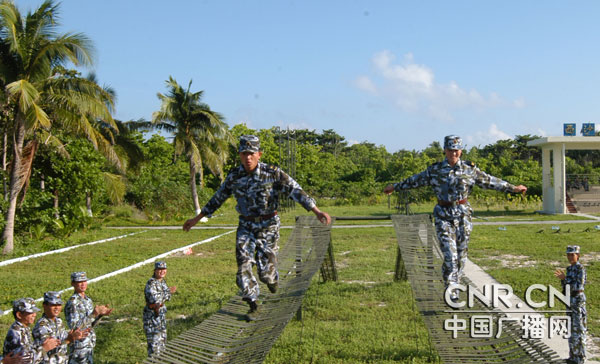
x=79, y=312
x=19, y=341
x=46, y=328
x=576, y=277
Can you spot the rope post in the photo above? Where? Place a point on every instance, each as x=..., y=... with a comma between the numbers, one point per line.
x=299, y=271
x=400, y=272
x=328, y=270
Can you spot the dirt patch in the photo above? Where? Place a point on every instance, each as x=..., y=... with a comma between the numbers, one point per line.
x=341, y=264
x=513, y=261
x=590, y=257
x=375, y=304
x=364, y=283
x=593, y=347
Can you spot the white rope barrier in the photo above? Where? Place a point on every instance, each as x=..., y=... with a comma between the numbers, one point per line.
x=134, y=266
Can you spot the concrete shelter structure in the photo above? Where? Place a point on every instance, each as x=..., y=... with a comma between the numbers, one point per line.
x=553, y=167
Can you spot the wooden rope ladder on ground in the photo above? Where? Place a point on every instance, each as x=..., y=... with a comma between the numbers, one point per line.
x=225, y=337
x=419, y=254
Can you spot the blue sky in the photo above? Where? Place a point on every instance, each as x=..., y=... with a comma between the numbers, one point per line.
x=395, y=73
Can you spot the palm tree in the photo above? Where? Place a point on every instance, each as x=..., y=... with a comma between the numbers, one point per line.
x=42, y=94
x=199, y=133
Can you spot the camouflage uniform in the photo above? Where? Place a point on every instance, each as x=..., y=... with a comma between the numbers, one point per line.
x=79, y=312
x=47, y=327
x=452, y=186
x=18, y=338
x=576, y=278
x=156, y=292
x=257, y=196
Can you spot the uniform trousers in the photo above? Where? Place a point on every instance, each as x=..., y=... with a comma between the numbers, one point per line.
x=256, y=244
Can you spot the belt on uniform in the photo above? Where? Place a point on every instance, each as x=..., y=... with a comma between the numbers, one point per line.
x=258, y=218
x=452, y=203
x=576, y=293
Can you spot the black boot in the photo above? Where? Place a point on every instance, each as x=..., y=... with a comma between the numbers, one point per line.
x=272, y=287
x=252, y=314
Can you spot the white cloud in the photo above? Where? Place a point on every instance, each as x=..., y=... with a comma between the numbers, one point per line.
x=490, y=136
x=364, y=83
x=412, y=87
x=519, y=103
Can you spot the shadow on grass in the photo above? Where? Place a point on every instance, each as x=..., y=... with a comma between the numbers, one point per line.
x=424, y=355
x=521, y=213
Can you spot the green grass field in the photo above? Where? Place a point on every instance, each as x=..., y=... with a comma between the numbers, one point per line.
x=364, y=317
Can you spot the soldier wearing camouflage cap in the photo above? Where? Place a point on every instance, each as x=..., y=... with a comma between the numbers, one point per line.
x=573, y=283
x=52, y=326
x=81, y=314
x=257, y=188
x=157, y=292
x=452, y=181
x=19, y=341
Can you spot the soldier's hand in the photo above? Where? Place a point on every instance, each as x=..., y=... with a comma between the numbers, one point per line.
x=50, y=343
x=520, y=189
x=76, y=335
x=173, y=289
x=560, y=274
x=388, y=189
x=191, y=222
x=102, y=310
x=13, y=359
x=324, y=218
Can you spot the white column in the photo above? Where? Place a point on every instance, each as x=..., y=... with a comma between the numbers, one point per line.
x=547, y=190
x=558, y=160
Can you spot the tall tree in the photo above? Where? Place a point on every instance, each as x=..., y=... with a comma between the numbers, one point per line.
x=199, y=132
x=41, y=92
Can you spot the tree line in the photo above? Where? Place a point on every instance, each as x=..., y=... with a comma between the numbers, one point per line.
x=66, y=162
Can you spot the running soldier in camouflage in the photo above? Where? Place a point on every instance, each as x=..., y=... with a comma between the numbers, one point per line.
x=81, y=314
x=155, y=321
x=19, y=341
x=574, y=281
x=51, y=326
x=257, y=188
x=452, y=181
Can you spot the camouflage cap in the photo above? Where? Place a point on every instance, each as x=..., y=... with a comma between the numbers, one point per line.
x=78, y=277
x=26, y=305
x=52, y=298
x=249, y=143
x=453, y=142
x=573, y=249
x=160, y=265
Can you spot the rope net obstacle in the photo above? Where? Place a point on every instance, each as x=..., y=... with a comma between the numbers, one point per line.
x=226, y=337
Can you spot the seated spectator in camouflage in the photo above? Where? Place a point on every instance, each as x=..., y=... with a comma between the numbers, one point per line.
x=155, y=312
x=452, y=181
x=574, y=280
x=19, y=344
x=51, y=326
x=257, y=188
x=81, y=314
